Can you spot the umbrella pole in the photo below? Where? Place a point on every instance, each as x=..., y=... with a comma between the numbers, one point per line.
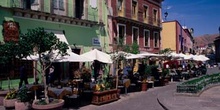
x=34, y=65
x=116, y=74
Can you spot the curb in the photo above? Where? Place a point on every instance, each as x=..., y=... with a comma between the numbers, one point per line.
x=165, y=108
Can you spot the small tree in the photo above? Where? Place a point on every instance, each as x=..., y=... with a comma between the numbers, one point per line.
x=44, y=44
x=35, y=41
x=166, y=51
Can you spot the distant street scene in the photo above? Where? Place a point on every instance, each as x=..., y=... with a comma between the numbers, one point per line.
x=109, y=55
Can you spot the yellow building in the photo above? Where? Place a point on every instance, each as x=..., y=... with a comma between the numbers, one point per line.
x=176, y=37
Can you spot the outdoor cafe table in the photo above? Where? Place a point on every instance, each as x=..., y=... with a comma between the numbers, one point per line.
x=34, y=87
x=59, y=93
x=185, y=75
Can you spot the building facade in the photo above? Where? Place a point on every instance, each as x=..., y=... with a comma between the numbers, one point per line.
x=135, y=21
x=176, y=37
x=217, y=49
x=81, y=22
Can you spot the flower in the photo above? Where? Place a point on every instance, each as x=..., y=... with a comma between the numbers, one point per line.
x=144, y=81
x=11, y=94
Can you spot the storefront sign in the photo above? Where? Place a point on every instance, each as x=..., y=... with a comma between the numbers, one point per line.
x=96, y=41
x=10, y=31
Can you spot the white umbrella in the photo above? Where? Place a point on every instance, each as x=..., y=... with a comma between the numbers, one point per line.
x=148, y=54
x=188, y=57
x=98, y=55
x=126, y=55
x=55, y=57
x=200, y=58
x=134, y=56
x=174, y=54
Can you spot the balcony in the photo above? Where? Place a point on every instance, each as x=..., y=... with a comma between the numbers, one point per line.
x=36, y=11
x=127, y=14
x=32, y=14
x=21, y=4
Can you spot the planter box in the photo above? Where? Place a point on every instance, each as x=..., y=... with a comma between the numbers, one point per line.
x=105, y=96
x=22, y=105
x=9, y=103
x=51, y=106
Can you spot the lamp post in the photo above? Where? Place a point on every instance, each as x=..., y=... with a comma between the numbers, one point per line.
x=219, y=30
x=166, y=14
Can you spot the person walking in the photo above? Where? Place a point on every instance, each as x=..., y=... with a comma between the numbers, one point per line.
x=51, y=75
x=23, y=76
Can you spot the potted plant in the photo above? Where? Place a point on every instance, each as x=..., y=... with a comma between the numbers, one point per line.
x=165, y=76
x=104, y=91
x=86, y=75
x=46, y=47
x=10, y=98
x=23, y=99
x=144, y=78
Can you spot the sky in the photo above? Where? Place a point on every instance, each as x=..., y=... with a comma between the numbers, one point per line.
x=201, y=15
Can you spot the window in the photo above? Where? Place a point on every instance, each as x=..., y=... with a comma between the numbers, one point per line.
x=79, y=5
x=120, y=4
x=93, y=3
x=154, y=15
x=145, y=11
x=121, y=34
x=156, y=39
x=135, y=34
x=134, y=6
x=146, y=38
x=58, y=4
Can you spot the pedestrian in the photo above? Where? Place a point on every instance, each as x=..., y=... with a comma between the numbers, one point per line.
x=23, y=76
x=219, y=66
x=97, y=67
x=51, y=75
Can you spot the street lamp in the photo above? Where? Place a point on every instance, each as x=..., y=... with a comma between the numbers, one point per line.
x=166, y=14
x=219, y=30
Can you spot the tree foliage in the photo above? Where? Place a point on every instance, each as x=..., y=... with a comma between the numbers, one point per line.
x=165, y=51
x=34, y=41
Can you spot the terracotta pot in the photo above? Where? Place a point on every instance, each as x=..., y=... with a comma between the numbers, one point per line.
x=53, y=106
x=22, y=105
x=144, y=86
x=9, y=103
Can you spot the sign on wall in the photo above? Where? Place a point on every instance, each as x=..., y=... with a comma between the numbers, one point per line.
x=96, y=41
x=10, y=31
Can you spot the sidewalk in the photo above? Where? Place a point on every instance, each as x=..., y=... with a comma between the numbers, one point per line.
x=148, y=100
x=208, y=100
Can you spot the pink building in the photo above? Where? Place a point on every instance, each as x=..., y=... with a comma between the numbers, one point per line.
x=135, y=21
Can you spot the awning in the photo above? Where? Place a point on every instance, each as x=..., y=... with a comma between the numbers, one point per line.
x=71, y=57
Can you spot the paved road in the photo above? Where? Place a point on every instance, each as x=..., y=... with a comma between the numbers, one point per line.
x=208, y=100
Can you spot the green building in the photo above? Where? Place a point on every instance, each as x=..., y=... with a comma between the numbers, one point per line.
x=81, y=22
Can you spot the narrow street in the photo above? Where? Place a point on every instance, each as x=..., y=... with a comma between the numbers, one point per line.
x=165, y=94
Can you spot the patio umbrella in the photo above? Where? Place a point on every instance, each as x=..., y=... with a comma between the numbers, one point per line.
x=97, y=55
x=126, y=55
x=71, y=57
x=148, y=54
x=188, y=57
x=200, y=58
x=134, y=56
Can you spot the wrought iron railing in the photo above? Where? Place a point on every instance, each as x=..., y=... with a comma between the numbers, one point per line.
x=139, y=15
x=197, y=85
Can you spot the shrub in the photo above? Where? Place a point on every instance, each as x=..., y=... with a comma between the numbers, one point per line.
x=11, y=94
x=22, y=94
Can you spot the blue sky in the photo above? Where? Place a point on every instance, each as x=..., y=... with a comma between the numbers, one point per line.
x=201, y=15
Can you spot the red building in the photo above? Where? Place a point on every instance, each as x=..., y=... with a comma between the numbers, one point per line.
x=135, y=21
